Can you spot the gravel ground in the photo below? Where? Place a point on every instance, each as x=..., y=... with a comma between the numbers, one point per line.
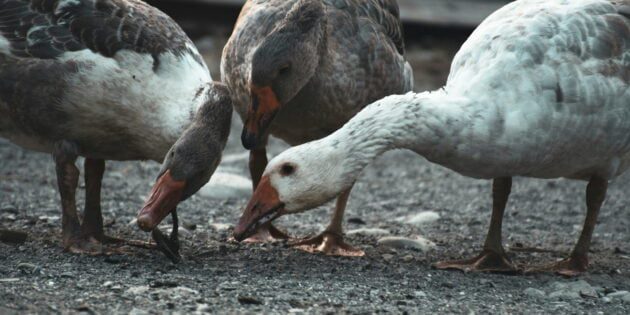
x=399, y=195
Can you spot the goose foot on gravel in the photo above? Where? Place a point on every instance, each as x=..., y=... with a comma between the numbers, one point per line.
x=486, y=261
x=329, y=243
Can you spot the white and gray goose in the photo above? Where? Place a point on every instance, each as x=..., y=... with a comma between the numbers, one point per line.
x=108, y=80
x=541, y=89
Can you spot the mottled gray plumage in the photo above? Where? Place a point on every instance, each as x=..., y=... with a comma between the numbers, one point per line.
x=48, y=28
x=64, y=66
x=361, y=62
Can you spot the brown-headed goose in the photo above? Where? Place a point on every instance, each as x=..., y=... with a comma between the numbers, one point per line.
x=300, y=69
x=107, y=80
x=541, y=89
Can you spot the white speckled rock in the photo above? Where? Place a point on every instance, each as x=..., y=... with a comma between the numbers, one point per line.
x=425, y=217
x=219, y=226
x=368, y=231
x=226, y=185
x=418, y=243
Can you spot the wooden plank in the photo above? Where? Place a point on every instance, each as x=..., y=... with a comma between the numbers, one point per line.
x=457, y=13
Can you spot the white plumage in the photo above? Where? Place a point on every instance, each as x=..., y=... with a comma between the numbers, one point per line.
x=540, y=89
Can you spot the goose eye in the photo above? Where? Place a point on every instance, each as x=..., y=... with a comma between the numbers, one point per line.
x=287, y=169
x=284, y=70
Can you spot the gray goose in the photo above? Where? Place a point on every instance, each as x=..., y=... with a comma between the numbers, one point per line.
x=299, y=70
x=108, y=80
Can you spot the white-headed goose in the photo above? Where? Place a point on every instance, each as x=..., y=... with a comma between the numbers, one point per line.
x=541, y=89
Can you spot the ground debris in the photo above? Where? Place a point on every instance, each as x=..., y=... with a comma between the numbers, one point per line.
x=248, y=300
x=13, y=237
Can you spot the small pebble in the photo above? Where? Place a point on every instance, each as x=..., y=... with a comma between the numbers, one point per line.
x=368, y=231
x=388, y=257
x=533, y=292
x=618, y=294
x=418, y=243
x=421, y=218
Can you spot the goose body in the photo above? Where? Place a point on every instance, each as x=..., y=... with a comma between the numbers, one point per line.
x=299, y=70
x=117, y=78
x=362, y=61
x=540, y=89
x=108, y=80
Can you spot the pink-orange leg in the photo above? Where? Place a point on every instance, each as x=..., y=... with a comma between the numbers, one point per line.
x=268, y=232
x=492, y=258
x=577, y=262
x=331, y=242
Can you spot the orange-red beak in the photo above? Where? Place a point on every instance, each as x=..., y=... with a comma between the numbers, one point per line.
x=264, y=207
x=263, y=109
x=165, y=196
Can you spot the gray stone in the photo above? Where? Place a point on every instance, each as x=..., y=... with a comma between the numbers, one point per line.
x=572, y=290
x=27, y=267
x=138, y=311
x=618, y=294
x=226, y=185
x=533, y=292
x=138, y=290
x=564, y=295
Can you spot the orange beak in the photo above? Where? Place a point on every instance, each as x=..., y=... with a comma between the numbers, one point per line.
x=263, y=109
x=264, y=207
x=165, y=196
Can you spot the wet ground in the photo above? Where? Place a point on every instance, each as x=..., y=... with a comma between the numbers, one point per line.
x=219, y=276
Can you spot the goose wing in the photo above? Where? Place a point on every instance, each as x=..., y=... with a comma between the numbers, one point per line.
x=382, y=12
x=47, y=29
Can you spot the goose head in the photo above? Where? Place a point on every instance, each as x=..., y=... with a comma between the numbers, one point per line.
x=301, y=178
x=281, y=66
x=192, y=160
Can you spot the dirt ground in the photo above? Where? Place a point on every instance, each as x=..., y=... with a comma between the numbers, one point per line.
x=218, y=276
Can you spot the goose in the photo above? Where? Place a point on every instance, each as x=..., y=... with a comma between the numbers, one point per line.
x=535, y=84
x=300, y=69
x=107, y=80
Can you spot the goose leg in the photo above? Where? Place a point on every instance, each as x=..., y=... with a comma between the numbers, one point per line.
x=67, y=182
x=92, y=227
x=577, y=262
x=331, y=242
x=492, y=258
x=257, y=163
